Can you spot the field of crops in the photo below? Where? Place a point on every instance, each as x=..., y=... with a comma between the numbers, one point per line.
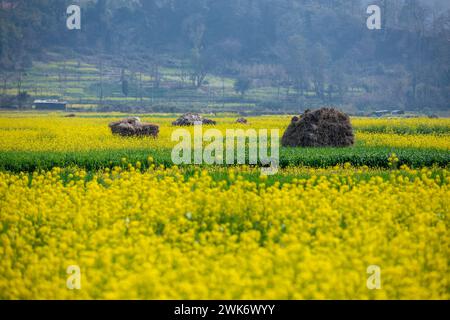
x=139, y=227
x=30, y=142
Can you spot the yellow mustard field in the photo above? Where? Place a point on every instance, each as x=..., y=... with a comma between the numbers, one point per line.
x=132, y=225
x=158, y=234
x=34, y=132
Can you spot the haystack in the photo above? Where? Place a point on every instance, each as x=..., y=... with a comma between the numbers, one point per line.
x=242, y=121
x=134, y=127
x=325, y=127
x=189, y=119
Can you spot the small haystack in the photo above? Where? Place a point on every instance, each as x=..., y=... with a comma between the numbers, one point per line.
x=242, y=121
x=134, y=127
x=189, y=119
x=325, y=127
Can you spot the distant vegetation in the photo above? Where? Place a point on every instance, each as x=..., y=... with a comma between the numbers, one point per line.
x=247, y=56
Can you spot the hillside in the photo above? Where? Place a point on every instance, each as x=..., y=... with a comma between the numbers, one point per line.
x=266, y=56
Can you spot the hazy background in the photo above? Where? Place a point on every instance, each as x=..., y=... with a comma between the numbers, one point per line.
x=249, y=56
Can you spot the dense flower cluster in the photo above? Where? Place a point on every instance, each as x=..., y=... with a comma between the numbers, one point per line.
x=404, y=141
x=403, y=125
x=55, y=133
x=173, y=234
x=142, y=231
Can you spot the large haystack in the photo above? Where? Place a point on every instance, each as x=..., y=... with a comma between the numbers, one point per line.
x=189, y=119
x=134, y=127
x=325, y=127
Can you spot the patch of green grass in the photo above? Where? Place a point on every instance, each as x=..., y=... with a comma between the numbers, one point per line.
x=362, y=155
x=374, y=157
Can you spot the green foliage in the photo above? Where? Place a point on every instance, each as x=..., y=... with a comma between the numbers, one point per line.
x=242, y=85
x=309, y=52
x=375, y=157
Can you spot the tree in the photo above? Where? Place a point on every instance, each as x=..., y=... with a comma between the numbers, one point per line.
x=319, y=60
x=22, y=99
x=242, y=85
x=296, y=62
x=156, y=74
x=124, y=81
x=201, y=64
